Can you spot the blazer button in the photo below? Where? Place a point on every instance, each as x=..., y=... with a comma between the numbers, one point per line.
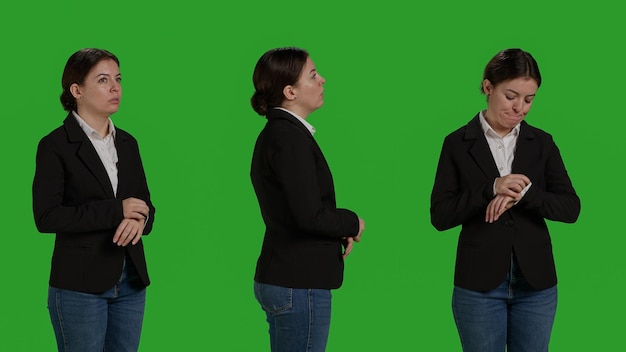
x=508, y=223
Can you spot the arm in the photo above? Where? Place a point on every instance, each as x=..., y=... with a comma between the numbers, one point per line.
x=556, y=201
x=456, y=198
x=139, y=222
x=54, y=210
x=143, y=192
x=308, y=190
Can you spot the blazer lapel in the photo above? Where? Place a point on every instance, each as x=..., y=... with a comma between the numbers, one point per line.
x=124, y=161
x=479, y=150
x=525, y=152
x=87, y=154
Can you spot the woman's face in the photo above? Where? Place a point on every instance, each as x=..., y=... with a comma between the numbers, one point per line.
x=508, y=102
x=309, y=90
x=100, y=94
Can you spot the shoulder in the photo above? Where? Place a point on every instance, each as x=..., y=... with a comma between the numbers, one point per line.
x=57, y=135
x=121, y=136
x=284, y=127
x=529, y=131
x=470, y=131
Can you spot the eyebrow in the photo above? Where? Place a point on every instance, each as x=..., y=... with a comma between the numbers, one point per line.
x=107, y=74
x=512, y=91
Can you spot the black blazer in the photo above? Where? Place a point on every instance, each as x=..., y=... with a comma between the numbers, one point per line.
x=73, y=197
x=294, y=187
x=464, y=187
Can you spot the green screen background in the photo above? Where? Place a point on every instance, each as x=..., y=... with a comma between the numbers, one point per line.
x=400, y=76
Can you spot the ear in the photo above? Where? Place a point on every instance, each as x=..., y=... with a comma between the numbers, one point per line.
x=75, y=90
x=289, y=93
x=487, y=87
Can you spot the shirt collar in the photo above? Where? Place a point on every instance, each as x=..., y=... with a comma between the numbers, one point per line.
x=90, y=131
x=488, y=130
x=303, y=121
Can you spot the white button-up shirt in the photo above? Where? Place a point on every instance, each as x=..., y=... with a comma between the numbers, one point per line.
x=105, y=147
x=502, y=149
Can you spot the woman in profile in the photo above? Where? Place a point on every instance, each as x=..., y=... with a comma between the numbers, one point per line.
x=302, y=257
x=500, y=178
x=90, y=189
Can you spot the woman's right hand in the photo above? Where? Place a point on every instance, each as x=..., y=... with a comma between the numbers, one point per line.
x=511, y=185
x=135, y=208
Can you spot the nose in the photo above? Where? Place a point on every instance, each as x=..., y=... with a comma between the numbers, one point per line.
x=518, y=105
x=322, y=80
x=116, y=86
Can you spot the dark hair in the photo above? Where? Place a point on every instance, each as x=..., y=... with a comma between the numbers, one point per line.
x=510, y=64
x=276, y=69
x=77, y=68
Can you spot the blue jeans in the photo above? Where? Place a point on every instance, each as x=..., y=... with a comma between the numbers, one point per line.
x=513, y=315
x=110, y=321
x=299, y=319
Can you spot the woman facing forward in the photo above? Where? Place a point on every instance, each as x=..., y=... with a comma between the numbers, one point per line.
x=302, y=258
x=500, y=178
x=90, y=189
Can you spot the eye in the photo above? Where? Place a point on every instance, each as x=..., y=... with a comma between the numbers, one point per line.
x=118, y=79
x=102, y=80
x=529, y=100
x=508, y=97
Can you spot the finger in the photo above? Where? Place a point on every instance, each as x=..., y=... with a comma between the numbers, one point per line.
x=489, y=212
x=506, y=204
x=137, y=215
x=499, y=209
x=139, y=233
x=137, y=238
x=119, y=231
x=123, y=241
x=521, y=179
x=130, y=235
x=346, y=253
x=511, y=193
x=126, y=234
x=141, y=209
x=494, y=209
x=348, y=247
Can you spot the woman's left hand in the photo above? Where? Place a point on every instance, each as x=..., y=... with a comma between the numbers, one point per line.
x=498, y=205
x=347, y=243
x=129, y=231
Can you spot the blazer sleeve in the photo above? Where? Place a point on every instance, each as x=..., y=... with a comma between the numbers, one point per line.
x=308, y=189
x=53, y=207
x=554, y=198
x=458, y=193
x=140, y=188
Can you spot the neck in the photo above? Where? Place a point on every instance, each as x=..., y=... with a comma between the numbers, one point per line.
x=501, y=131
x=99, y=123
x=294, y=108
